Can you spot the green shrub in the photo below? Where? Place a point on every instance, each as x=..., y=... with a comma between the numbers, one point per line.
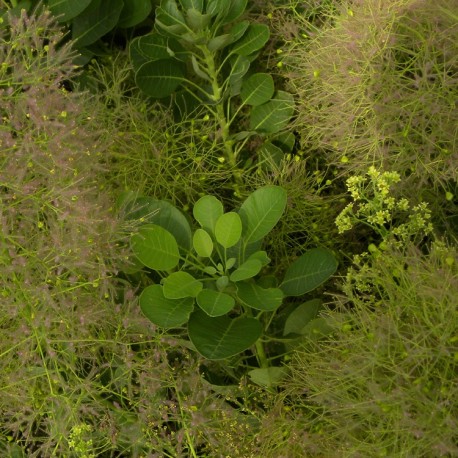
x=54, y=231
x=215, y=281
x=78, y=374
x=154, y=154
x=202, y=56
x=377, y=85
x=384, y=383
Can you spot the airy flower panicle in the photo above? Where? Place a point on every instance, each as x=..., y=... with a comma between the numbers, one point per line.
x=374, y=207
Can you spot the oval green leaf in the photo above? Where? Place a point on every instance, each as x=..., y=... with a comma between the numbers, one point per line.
x=261, y=211
x=230, y=263
x=273, y=116
x=228, y=229
x=217, y=7
x=236, y=9
x=301, y=317
x=210, y=270
x=222, y=337
x=95, y=21
x=238, y=30
x=161, y=213
x=219, y=42
x=248, y=269
x=65, y=10
x=268, y=376
x=196, y=20
x=154, y=47
x=215, y=303
x=181, y=284
x=170, y=19
x=239, y=67
x=198, y=69
x=167, y=313
x=222, y=282
x=206, y=211
x=155, y=247
x=308, y=272
x=160, y=78
x=253, y=40
x=257, y=89
x=202, y=243
x=134, y=12
x=265, y=299
x=261, y=256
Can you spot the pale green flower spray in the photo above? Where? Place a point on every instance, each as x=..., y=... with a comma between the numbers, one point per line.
x=78, y=441
x=396, y=220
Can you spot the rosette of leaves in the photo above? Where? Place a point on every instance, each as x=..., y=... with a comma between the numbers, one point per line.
x=202, y=51
x=213, y=279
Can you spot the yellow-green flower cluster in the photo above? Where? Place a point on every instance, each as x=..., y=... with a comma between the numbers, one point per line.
x=78, y=441
x=358, y=276
x=419, y=222
x=373, y=206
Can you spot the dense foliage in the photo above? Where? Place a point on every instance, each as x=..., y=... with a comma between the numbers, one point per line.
x=228, y=228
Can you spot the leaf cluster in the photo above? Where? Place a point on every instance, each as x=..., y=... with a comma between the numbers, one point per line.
x=201, y=53
x=214, y=278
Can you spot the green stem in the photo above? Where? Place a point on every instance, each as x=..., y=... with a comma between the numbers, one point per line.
x=185, y=427
x=261, y=356
x=224, y=125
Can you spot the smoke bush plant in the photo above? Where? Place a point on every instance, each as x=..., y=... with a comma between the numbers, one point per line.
x=80, y=369
x=384, y=381
x=203, y=48
x=150, y=152
x=377, y=84
x=59, y=335
x=213, y=279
